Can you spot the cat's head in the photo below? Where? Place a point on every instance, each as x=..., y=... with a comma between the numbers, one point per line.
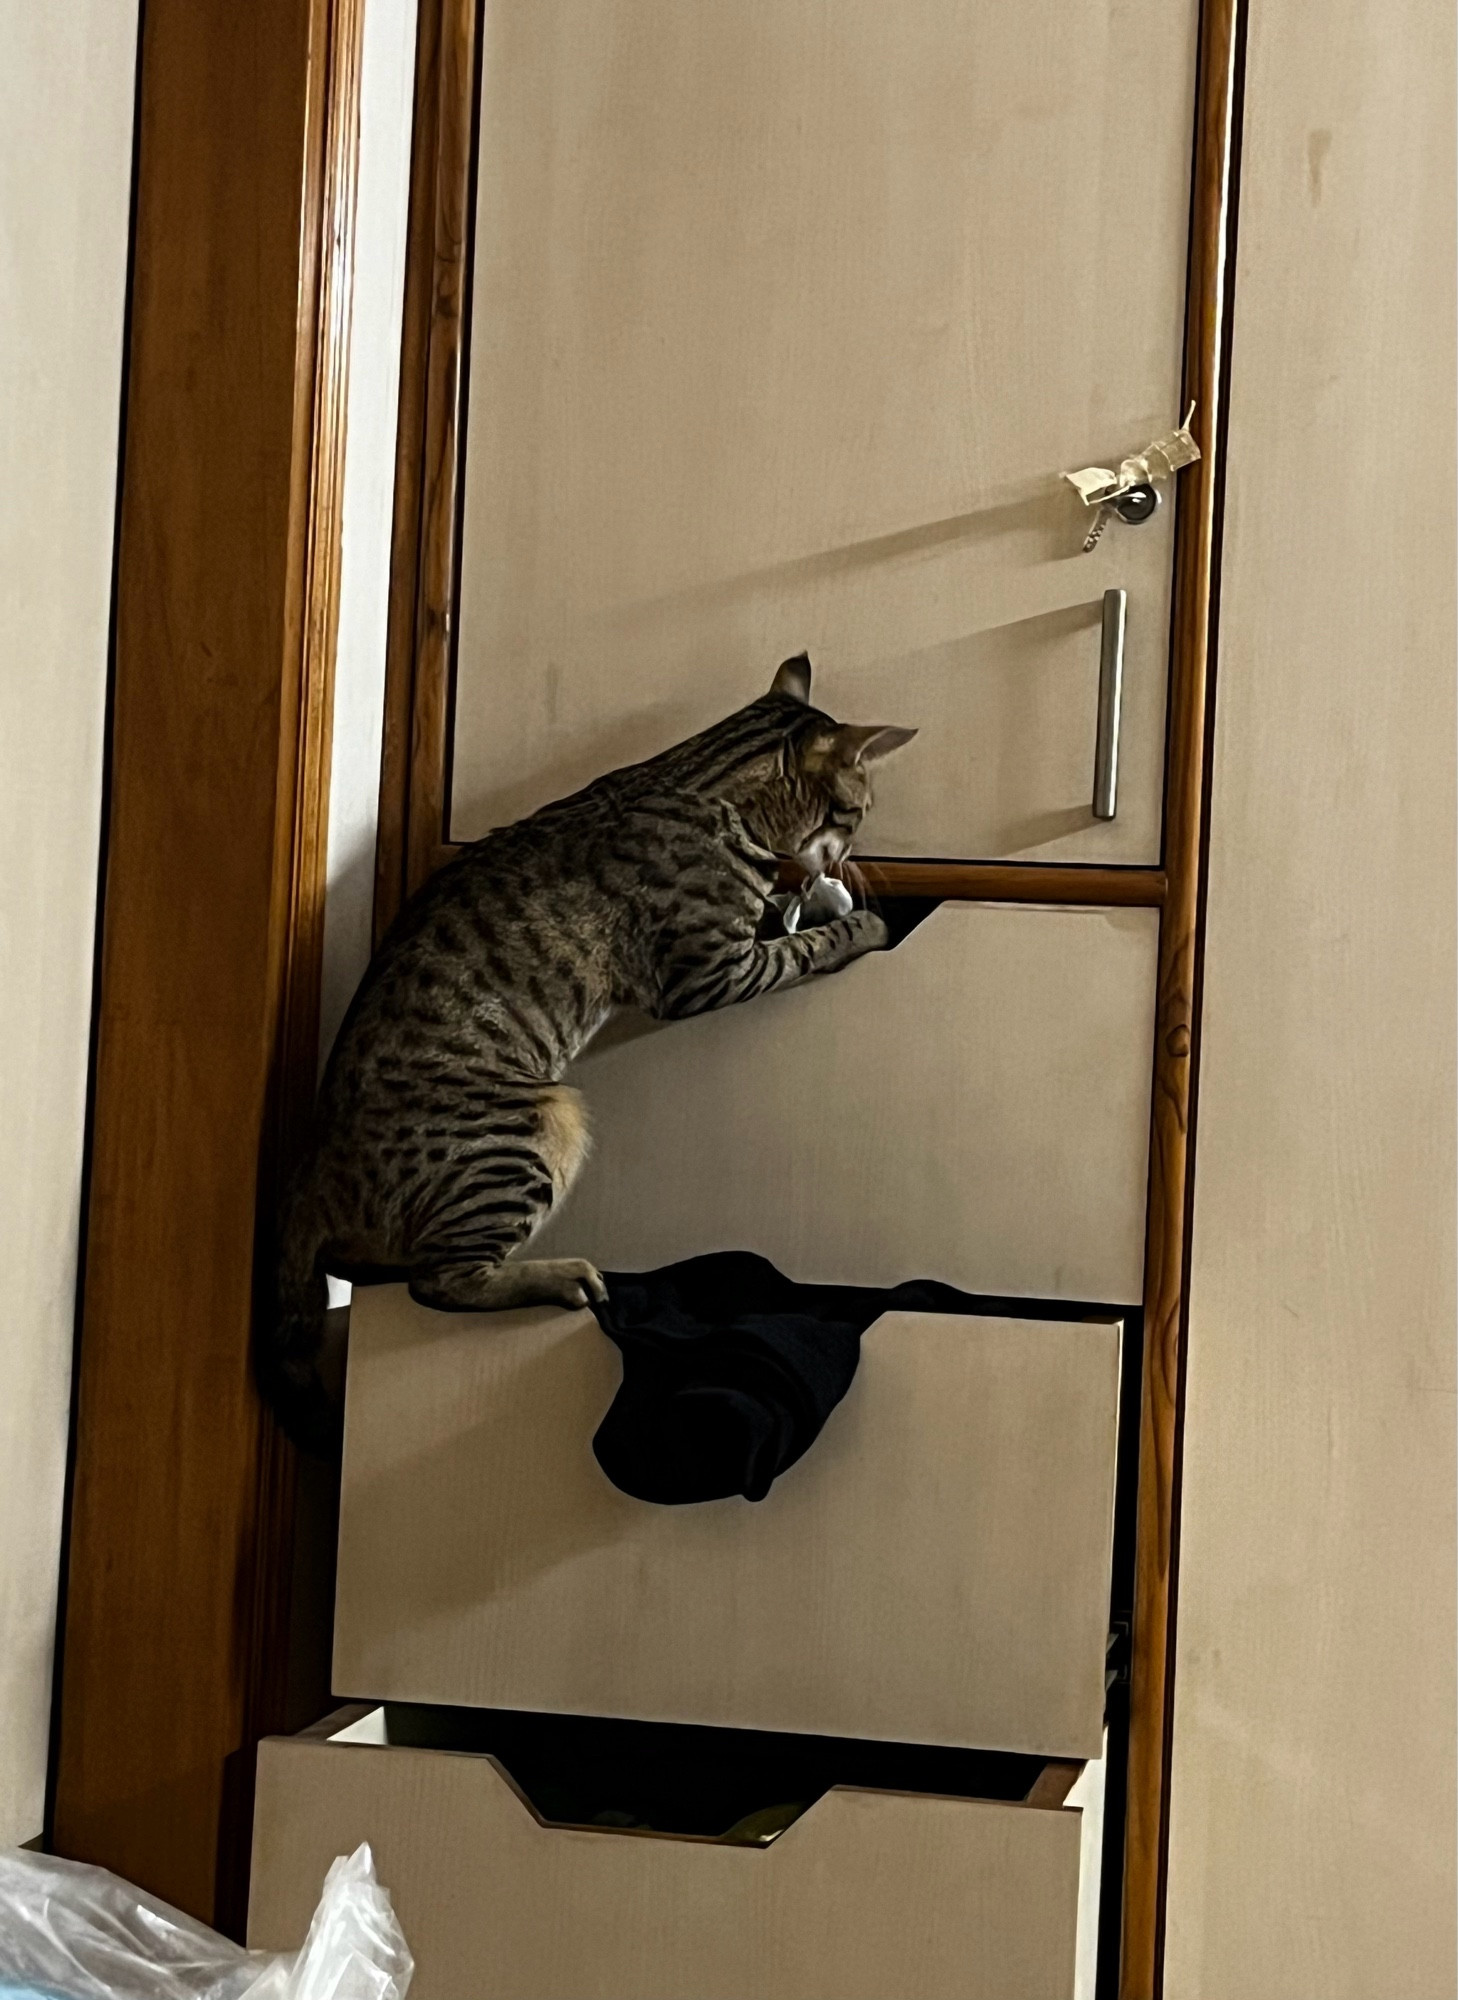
x=809, y=802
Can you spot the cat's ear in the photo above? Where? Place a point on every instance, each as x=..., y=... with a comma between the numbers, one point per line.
x=868, y=742
x=793, y=678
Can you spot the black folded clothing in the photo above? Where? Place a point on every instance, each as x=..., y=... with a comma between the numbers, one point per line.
x=730, y=1370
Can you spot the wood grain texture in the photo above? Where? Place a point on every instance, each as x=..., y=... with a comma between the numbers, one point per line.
x=1176, y=1024
x=320, y=440
x=935, y=1570
x=1011, y=882
x=423, y=570
x=319, y=454
x=984, y=882
x=876, y=1138
x=177, y=1576
x=867, y=1894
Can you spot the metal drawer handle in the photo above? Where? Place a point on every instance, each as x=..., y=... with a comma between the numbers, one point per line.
x=1111, y=690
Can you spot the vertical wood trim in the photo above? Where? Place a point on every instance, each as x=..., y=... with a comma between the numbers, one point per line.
x=413, y=776
x=306, y=735
x=326, y=302
x=178, y=1564
x=1177, y=1007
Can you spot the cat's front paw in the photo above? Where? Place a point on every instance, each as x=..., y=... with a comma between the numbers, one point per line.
x=868, y=930
x=570, y=1281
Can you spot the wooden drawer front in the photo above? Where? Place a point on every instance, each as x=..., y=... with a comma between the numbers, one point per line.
x=972, y=1106
x=868, y=1894
x=934, y=1570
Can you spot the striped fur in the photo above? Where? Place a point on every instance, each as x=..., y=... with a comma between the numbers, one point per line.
x=443, y=1132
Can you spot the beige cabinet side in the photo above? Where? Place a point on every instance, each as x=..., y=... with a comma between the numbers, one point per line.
x=1312, y=1828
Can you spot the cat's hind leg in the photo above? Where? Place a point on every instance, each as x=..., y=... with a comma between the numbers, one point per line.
x=491, y=1199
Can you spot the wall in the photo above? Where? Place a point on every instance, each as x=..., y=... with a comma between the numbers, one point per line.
x=66, y=88
x=1313, y=1806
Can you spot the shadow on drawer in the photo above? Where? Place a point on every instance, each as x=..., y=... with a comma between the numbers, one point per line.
x=707, y=1783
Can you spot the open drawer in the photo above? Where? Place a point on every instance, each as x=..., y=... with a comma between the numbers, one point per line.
x=869, y=1893
x=934, y=1570
x=972, y=1106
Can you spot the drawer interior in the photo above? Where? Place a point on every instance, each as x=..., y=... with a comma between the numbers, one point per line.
x=706, y=1784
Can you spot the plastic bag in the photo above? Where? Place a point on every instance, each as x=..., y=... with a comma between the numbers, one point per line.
x=72, y=1932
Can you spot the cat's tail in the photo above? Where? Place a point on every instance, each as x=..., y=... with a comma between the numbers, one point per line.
x=293, y=1297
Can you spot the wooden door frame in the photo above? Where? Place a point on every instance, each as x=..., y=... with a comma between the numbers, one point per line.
x=172, y=1654
x=1219, y=104
x=415, y=791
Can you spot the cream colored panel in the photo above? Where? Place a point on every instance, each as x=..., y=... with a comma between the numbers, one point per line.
x=934, y=1570
x=973, y=1106
x=868, y=1895
x=785, y=321
x=1313, y=1811
x=1004, y=762
x=67, y=89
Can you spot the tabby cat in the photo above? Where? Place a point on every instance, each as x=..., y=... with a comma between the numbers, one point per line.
x=443, y=1136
